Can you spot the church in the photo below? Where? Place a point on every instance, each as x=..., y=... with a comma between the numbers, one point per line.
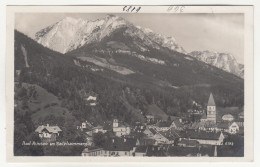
x=211, y=111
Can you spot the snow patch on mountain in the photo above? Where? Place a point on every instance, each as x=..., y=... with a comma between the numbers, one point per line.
x=25, y=56
x=168, y=42
x=70, y=34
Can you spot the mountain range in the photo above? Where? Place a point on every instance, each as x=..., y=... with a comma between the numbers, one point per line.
x=70, y=34
x=129, y=68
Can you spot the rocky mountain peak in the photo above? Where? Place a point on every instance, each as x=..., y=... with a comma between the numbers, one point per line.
x=224, y=61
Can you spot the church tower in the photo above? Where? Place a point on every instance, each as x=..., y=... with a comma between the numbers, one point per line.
x=115, y=123
x=211, y=109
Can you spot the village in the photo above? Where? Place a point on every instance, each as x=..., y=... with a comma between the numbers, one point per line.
x=179, y=136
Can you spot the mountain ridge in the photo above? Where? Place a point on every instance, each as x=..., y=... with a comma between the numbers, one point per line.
x=69, y=34
x=95, y=31
x=224, y=61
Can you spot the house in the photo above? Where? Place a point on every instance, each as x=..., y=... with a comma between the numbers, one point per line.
x=113, y=147
x=140, y=151
x=48, y=133
x=93, y=151
x=157, y=151
x=240, y=122
x=241, y=115
x=144, y=141
x=148, y=132
x=163, y=126
x=120, y=146
x=108, y=126
x=203, y=126
x=177, y=124
x=203, y=137
x=207, y=126
x=139, y=127
x=149, y=118
x=85, y=125
x=227, y=117
x=120, y=129
x=158, y=137
x=188, y=143
x=229, y=127
x=90, y=98
x=98, y=129
x=166, y=125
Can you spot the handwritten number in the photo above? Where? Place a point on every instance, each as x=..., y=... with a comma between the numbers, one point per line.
x=169, y=9
x=138, y=9
x=133, y=9
x=176, y=9
x=182, y=8
x=127, y=9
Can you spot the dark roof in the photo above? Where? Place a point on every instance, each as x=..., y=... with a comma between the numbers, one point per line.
x=211, y=101
x=153, y=131
x=155, y=151
x=108, y=126
x=191, y=134
x=191, y=151
x=91, y=149
x=224, y=125
x=170, y=134
x=146, y=141
x=164, y=124
x=120, y=144
x=141, y=149
x=177, y=123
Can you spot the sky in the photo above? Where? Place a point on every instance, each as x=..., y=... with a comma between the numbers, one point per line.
x=194, y=32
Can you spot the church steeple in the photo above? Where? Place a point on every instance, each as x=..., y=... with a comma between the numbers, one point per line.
x=211, y=101
x=211, y=109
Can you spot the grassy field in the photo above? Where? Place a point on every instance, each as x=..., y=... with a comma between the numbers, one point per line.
x=45, y=104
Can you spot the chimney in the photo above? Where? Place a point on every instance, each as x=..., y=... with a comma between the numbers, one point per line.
x=113, y=140
x=180, y=120
x=47, y=125
x=124, y=139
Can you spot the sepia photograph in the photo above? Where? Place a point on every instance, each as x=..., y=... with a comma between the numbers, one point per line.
x=129, y=83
